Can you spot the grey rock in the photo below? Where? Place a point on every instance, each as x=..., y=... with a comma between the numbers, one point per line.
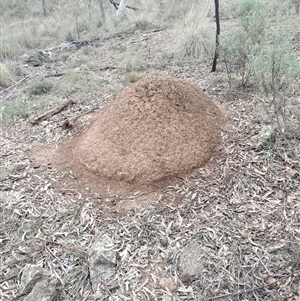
x=264, y=137
x=31, y=274
x=44, y=290
x=190, y=264
x=103, y=260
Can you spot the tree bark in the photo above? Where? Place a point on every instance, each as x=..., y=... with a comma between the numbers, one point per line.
x=102, y=12
x=44, y=8
x=121, y=9
x=214, y=66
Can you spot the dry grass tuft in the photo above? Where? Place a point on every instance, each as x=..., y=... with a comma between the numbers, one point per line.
x=195, y=37
x=5, y=76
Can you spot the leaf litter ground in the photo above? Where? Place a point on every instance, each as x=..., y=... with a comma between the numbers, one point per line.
x=243, y=208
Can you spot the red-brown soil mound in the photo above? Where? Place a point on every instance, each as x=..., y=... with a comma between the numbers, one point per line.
x=155, y=129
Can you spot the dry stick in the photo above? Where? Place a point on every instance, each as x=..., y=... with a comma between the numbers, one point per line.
x=19, y=82
x=54, y=75
x=51, y=112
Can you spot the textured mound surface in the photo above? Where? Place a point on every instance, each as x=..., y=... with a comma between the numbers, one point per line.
x=154, y=129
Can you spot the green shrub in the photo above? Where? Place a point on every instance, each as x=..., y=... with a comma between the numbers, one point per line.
x=5, y=52
x=5, y=76
x=237, y=52
x=20, y=108
x=263, y=58
x=132, y=77
x=240, y=46
x=38, y=87
x=275, y=67
x=11, y=109
x=133, y=61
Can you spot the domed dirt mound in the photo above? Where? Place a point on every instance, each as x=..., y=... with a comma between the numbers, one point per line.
x=155, y=129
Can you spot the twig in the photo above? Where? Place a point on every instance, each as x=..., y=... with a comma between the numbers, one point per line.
x=54, y=75
x=19, y=82
x=51, y=112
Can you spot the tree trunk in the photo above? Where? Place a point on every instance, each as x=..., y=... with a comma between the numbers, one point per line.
x=44, y=8
x=121, y=9
x=297, y=6
x=102, y=12
x=214, y=66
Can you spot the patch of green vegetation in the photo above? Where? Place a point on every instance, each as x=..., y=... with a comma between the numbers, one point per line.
x=114, y=87
x=20, y=108
x=82, y=85
x=133, y=61
x=219, y=80
x=263, y=59
x=132, y=77
x=133, y=65
x=38, y=87
x=241, y=44
x=275, y=66
x=5, y=76
x=10, y=110
x=6, y=52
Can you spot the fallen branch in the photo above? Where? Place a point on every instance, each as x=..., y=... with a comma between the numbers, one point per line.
x=52, y=112
x=19, y=82
x=54, y=75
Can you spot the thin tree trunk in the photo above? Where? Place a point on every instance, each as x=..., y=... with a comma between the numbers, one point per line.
x=102, y=12
x=214, y=66
x=44, y=8
x=297, y=6
x=121, y=9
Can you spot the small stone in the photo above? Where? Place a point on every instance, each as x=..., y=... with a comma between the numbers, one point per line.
x=264, y=137
x=19, y=167
x=31, y=274
x=164, y=241
x=103, y=260
x=190, y=265
x=44, y=290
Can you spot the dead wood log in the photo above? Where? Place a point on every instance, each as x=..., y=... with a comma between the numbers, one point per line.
x=54, y=75
x=52, y=112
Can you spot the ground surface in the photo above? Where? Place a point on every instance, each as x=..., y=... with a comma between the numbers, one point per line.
x=243, y=208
